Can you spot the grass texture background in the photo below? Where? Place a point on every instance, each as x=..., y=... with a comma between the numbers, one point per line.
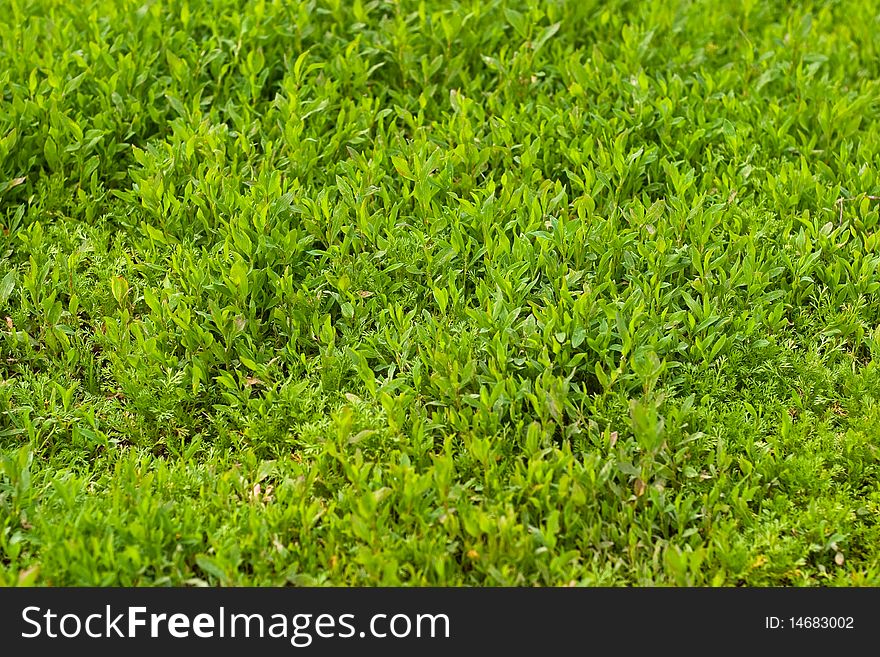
x=439, y=293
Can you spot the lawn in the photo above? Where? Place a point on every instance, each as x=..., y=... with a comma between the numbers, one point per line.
x=439, y=293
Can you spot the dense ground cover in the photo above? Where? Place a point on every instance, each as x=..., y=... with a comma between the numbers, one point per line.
x=485, y=292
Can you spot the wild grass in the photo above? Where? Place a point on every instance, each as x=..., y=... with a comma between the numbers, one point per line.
x=425, y=293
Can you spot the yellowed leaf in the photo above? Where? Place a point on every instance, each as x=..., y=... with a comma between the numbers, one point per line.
x=29, y=575
x=639, y=487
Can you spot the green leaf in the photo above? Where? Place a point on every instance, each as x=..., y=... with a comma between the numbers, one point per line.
x=238, y=274
x=402, y=167
x=210, y=566
x=119, y=288
x=50, y=151
x=518, y=21
x=546, y=34
x=7, y=285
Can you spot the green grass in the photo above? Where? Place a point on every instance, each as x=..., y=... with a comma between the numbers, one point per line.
x=482, y=293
